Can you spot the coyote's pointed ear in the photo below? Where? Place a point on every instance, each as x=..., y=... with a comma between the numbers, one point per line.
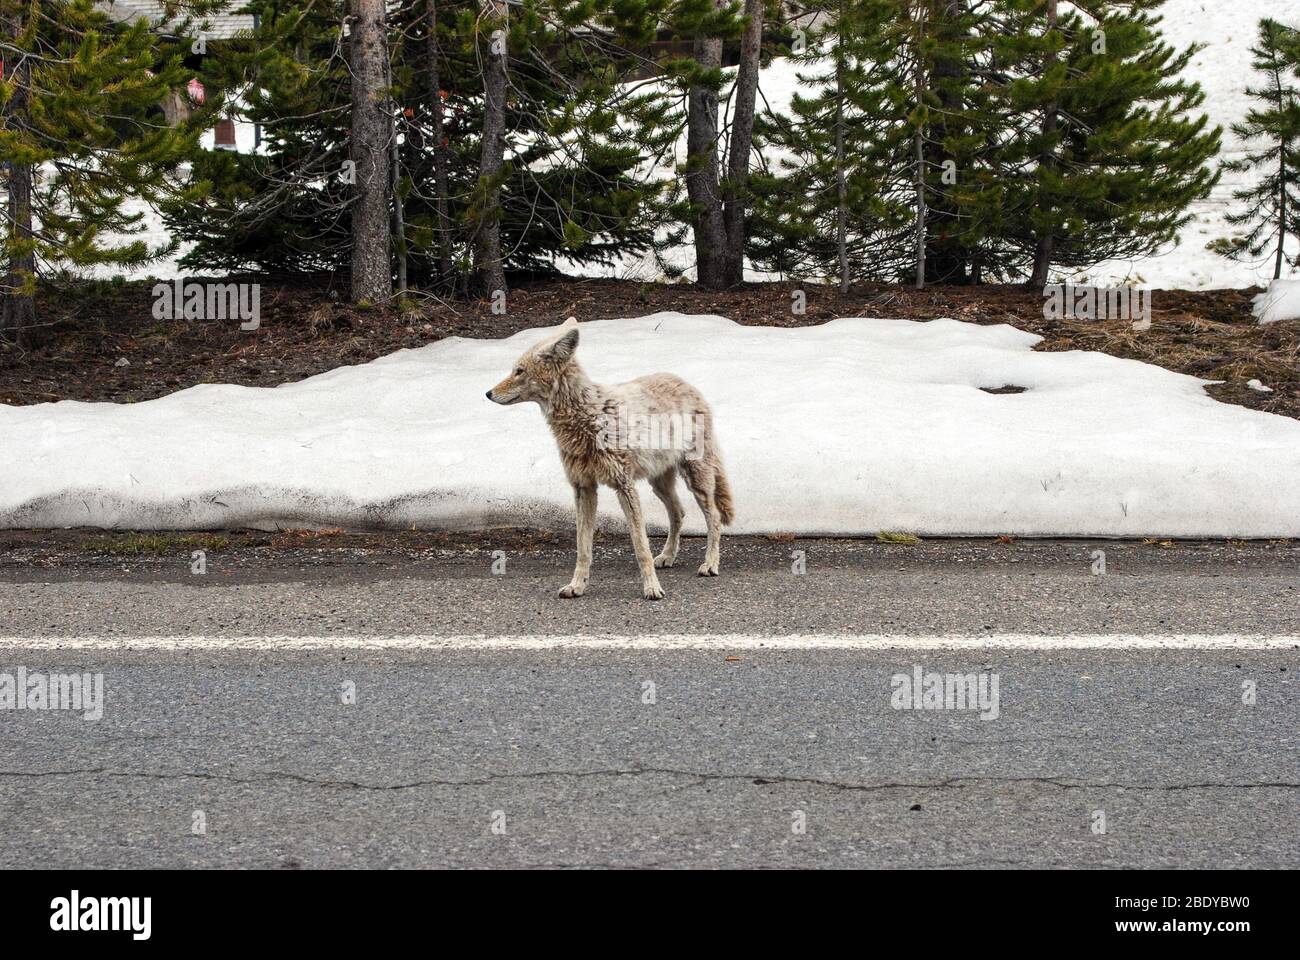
x=571, y=323
x=562, y=350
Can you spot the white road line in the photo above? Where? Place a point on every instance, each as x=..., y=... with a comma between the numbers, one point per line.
x=727, y=641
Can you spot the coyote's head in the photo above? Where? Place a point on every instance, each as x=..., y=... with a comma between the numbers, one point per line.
x=537, y=370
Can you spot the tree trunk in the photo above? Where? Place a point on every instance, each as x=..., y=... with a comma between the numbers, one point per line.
x=1046, y=245
x=736, y=191
x=918, y=148
x=1282, y=184
x=919, y=159
x=1281, y=215
x=372, y=130
x=841, y=185
x=18, y=314
x=490, y=269
x=439, y=146
x=399, y=215
x=946, y=253
x=18, y=317
x=395, y=172
x=702, y=187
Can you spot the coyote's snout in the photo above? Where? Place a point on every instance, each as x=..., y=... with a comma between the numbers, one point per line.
x=652, y=427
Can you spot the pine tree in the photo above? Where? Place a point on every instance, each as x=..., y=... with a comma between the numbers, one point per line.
x=284, y=207
x=81, y=133
x=837, y=200
x=907, y=84
x=1108, y=157
x=579, y=136
x=1272, y=214
x=573, y=139
x=956, y=129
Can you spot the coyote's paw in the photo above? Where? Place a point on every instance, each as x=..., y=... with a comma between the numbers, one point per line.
x=663, y=560
x=708, y=570
x=572, y=590
x=652, y=591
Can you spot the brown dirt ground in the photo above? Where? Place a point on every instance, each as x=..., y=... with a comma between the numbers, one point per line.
x=314, y=554
x=306, y=329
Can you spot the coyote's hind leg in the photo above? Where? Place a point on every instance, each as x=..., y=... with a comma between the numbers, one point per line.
x=699, y=477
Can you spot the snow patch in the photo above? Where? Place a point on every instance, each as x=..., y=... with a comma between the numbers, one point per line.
x=1281, y=301
x=851, y=427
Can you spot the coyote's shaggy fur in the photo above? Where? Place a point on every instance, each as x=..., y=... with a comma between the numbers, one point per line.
x=589, y=422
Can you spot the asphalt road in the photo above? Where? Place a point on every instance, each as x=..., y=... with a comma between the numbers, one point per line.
x=599, y=755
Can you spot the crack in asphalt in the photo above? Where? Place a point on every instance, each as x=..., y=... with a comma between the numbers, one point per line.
x=701, y=778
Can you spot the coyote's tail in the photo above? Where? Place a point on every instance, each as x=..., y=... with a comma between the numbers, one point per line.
x=722, y=495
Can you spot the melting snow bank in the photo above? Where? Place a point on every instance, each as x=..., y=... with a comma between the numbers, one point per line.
x=852, y=427
x=1281, y=301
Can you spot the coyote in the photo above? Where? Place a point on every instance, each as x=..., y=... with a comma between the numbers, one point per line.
x=590, y=423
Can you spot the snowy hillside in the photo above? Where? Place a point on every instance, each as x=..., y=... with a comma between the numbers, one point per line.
x=893, y=433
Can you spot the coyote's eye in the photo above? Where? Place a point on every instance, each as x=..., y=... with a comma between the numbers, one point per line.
x=519, y=371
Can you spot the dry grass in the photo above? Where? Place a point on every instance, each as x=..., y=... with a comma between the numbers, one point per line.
x=308, y=328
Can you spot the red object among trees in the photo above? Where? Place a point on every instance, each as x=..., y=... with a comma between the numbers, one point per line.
x=225, y=134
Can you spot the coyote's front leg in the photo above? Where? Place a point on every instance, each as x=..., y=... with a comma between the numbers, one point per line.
x=585, y=498
x=631, y=503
